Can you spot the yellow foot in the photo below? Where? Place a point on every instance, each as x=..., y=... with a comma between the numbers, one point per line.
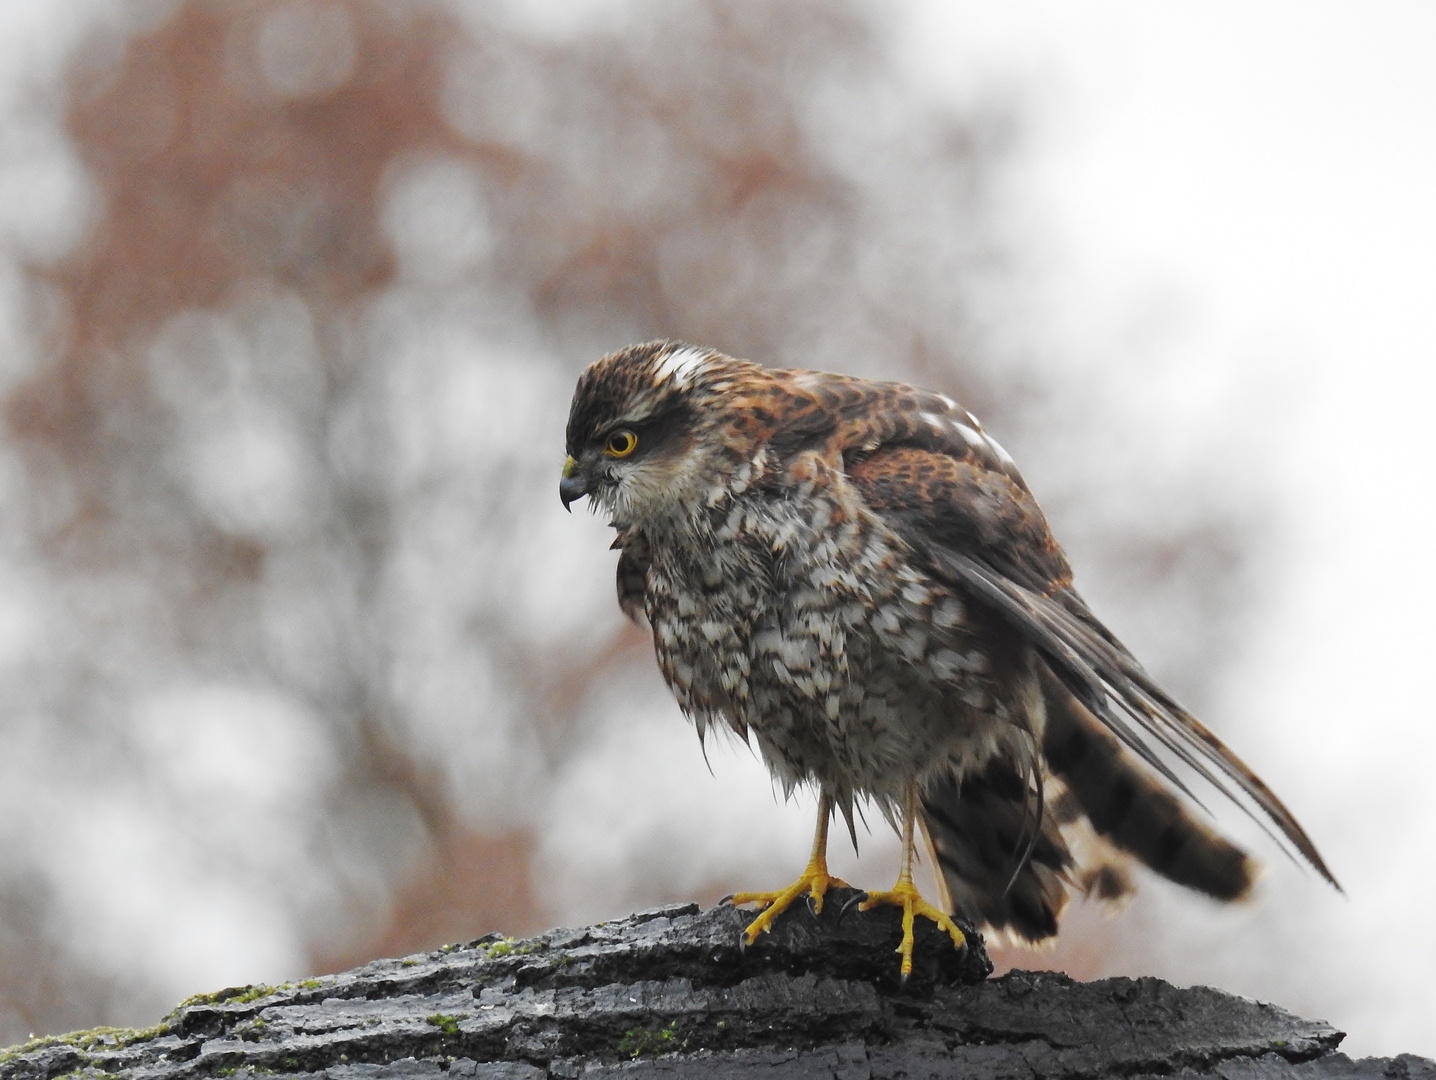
x=815, y=881
x=905, y=895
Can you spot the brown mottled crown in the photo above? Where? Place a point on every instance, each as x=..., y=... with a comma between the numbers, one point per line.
x=638, y=384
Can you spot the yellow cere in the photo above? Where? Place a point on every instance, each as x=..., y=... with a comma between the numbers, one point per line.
x=569, y=465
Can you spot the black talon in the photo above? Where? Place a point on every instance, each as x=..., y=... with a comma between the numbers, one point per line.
x=728, y=899
x=842, y=913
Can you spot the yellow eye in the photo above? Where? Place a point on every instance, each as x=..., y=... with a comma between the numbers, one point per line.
x=621, y=443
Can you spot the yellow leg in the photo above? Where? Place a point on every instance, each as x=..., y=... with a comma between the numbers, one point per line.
x=815, y=880
x=904, y=894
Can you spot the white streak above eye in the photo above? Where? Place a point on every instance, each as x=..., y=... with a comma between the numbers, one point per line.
x=680, y=365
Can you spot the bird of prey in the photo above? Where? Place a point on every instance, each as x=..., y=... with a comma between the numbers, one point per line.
x=855, y=574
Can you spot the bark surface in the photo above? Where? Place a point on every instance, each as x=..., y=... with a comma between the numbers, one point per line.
x=670, y=993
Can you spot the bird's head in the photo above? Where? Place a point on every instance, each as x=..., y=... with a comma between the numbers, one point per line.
x=643, y=440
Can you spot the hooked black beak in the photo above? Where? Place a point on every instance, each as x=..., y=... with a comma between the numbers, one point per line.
x=572, y=486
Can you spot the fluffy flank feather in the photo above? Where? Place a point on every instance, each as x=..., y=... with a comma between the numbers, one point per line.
x=1001, y=868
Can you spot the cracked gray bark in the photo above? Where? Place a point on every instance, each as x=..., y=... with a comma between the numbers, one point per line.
x=670, y=993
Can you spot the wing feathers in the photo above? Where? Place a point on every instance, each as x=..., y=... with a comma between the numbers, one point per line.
x=1100, y=672
x=924, y=464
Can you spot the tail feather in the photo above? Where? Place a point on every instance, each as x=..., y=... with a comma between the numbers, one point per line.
x=980, y=830
x=1009, y=866
x=1130, y=808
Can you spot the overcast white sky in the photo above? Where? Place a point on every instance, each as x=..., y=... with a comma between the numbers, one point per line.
x=1259, y=182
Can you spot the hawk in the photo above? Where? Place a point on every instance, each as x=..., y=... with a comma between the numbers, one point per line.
x=855, y=575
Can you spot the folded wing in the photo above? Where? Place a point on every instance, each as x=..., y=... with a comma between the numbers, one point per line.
x=965, y=511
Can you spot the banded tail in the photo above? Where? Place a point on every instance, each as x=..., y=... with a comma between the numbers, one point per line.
x=980, y=830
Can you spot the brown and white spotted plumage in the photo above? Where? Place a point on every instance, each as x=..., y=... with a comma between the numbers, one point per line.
x=855, y=575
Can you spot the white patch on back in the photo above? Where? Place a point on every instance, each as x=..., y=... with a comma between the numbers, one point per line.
x=681, y=365
x=934, y=421
x=1002, y=455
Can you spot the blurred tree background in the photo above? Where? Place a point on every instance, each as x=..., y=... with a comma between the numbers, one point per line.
x=300, y=661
